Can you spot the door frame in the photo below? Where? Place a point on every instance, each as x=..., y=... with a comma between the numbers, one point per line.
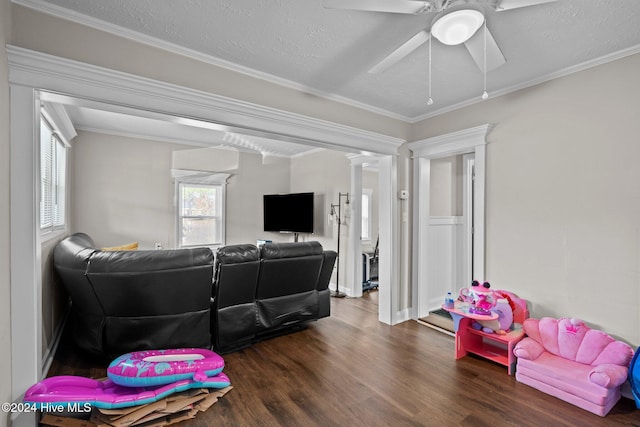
x=35, y=75
x=472, y=140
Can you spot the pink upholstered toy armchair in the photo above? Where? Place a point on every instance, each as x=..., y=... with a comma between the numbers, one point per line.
x=568, y=360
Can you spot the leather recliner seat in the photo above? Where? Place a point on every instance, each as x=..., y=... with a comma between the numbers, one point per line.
x=264, y=292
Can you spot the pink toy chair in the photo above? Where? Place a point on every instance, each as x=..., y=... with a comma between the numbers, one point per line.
x=568, y=360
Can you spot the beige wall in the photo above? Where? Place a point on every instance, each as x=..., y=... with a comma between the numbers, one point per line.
x=54, y=298
x=5, y=274
x=326, y=173
x=257, y=175
x=252, y=175
x=123, y=190
x=563, y=194
x=44, y=33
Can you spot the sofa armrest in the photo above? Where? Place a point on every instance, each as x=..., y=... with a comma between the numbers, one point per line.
x=528, y=349
x=608, y=375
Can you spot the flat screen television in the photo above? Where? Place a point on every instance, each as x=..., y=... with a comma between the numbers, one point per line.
x=288, y=212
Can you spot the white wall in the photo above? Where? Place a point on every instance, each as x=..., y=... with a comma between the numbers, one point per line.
x=5, y=274
x=563, y=186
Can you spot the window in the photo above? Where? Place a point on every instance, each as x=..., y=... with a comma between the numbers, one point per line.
x=53, y=170
x=201, y=208
x=366, y=215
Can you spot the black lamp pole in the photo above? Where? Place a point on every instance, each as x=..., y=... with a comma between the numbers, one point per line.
x=337, y=293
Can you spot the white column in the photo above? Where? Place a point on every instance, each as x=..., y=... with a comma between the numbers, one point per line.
x=26, y=268
x=478, y=211
x=354, y=262
x=421, y=197
x=389, y=245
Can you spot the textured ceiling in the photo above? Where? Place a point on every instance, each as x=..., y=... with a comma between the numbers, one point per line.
x=301, y=44
x=329, y=51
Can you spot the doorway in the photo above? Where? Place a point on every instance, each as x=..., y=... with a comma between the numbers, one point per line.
x=447, y=250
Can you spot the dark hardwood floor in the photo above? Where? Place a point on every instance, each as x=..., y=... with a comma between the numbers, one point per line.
x=351, y=370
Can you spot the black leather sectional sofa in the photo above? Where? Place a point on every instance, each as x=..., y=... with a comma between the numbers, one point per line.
x=129, y=300
x=124, y=301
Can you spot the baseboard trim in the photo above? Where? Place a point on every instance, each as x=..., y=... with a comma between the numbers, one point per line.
x=402, y=316
x=437, y=328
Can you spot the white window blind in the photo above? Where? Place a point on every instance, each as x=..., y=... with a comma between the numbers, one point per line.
x=53, y=171
x=200, y=215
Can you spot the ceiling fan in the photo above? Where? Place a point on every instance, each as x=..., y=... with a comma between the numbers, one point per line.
x=453, y=22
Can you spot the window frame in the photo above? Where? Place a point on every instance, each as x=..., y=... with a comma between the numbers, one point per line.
x=367, y=192
x=201, y=179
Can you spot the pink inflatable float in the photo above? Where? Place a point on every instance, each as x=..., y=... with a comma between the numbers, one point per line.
x=135, y=378
x=64, y=390
x=156, y=367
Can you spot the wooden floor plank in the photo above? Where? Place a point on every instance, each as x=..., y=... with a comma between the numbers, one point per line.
x=351, y=370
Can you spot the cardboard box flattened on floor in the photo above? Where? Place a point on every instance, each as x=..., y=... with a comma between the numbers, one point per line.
x=170, y=410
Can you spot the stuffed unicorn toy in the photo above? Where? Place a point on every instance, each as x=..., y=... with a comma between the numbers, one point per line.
x=502, y=324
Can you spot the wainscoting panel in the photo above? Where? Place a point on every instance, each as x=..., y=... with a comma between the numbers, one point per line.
x=444, y=265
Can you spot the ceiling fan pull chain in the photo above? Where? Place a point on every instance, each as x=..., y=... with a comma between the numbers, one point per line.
x=485, y=95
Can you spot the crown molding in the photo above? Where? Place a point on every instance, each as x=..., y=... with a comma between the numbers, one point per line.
x=90, y=82
x=82, y=19
x=61, y=121
x=135, y=135
x=533, y=82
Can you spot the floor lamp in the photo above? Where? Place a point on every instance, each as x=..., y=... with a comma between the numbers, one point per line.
x=337, y=293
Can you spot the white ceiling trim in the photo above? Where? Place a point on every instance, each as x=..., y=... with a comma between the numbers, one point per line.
x=51, y=73
x=306, y=153
x=190, y=176
x=136, y=36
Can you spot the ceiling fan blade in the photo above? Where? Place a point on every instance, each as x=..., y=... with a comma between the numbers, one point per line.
x=514, y=4
x=475, y=46
x=393, y=6
x=407, y=47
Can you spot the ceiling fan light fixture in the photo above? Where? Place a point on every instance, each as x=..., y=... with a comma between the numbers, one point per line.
x=458, y=26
